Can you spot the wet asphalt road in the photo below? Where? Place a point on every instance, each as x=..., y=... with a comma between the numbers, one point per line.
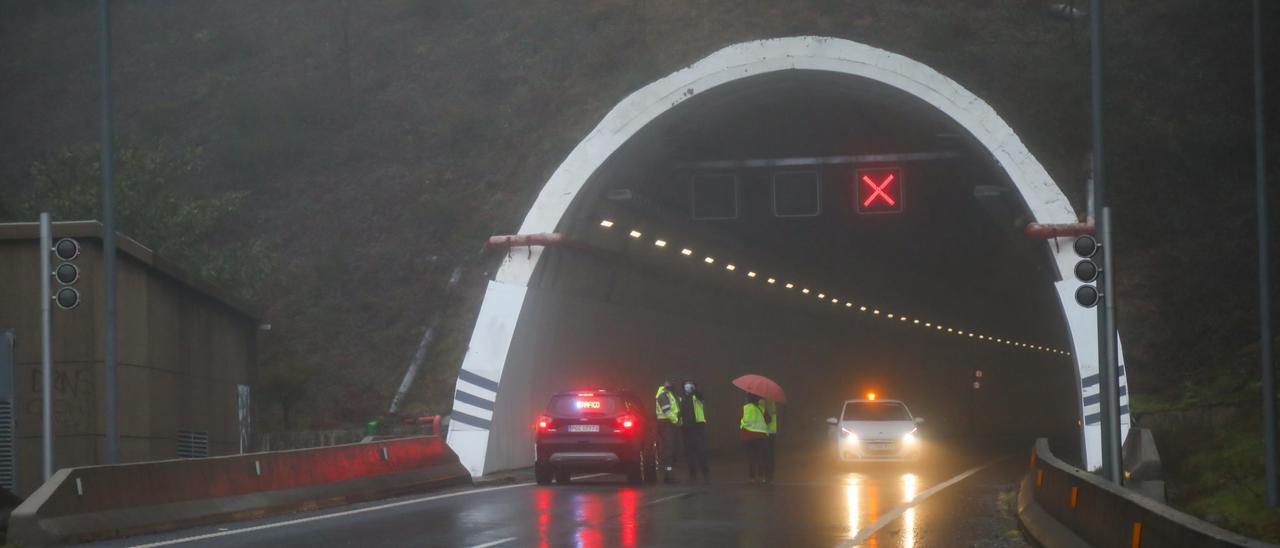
x=813, y=502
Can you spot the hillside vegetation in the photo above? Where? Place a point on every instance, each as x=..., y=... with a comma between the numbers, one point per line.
x=358, y=151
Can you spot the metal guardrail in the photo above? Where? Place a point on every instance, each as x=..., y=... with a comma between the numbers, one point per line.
x=1061, y=505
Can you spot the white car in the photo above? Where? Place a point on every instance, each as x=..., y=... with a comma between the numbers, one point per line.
x=876, y=430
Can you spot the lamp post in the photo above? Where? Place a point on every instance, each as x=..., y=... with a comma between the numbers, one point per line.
x=1264, y=274
x=108, y=232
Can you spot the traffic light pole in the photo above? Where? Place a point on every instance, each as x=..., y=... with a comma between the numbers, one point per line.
x=1110, y=377
x=108, y=233
x=46, y=346
x=1107, y=370
x=1264, y=275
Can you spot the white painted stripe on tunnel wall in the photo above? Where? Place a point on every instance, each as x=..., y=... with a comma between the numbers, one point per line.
x=478, y=380
x=482, y=401
x=486, y=355
x=471, y=441
x=472, y=410
x=891, y=516
x=1083, y=323
x=477, y=390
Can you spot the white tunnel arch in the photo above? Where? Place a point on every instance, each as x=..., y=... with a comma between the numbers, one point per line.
x=482, y=433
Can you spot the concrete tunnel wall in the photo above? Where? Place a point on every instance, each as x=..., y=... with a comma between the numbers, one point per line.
x=520, y=330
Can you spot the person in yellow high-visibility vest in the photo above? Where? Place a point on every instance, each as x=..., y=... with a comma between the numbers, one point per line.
x=667, y=407
x=695, y=432
x=754, y=430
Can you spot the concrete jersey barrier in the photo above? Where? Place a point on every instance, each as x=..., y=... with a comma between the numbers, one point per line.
x=1061, y=505
x=96, y=502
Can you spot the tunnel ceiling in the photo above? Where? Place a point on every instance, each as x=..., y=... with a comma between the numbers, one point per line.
x=950, y=255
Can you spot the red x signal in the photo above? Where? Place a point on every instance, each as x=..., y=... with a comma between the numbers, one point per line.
x=879, y=190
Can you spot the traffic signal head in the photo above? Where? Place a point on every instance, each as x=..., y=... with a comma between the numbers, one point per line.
x=66, y=249
x=1086, y=246
x=1087, y=296
x=1086, y=271
x=66, y=273
x=67, y=298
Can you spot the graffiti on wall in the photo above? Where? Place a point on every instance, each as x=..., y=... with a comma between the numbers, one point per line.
x=73, y=399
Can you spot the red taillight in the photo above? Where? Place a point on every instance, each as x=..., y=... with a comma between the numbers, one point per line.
x=543, y=423
x=627, y=422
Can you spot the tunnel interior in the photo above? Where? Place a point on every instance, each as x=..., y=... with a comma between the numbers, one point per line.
x=758, y=180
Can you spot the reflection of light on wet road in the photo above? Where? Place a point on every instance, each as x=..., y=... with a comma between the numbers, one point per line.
x=873, y=508
x=542, y=500
x=628, y=500
x=861, y=494
x=862, y=497
x=587, y=513
x=853, y=492
x=909, y=486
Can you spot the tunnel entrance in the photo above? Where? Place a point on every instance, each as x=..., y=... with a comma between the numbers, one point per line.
x=832, y=215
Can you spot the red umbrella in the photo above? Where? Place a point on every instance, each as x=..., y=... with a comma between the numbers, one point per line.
x=761, y=386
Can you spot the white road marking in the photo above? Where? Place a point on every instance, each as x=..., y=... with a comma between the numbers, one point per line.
x=891, y=516
x=665, y=499
x=495, y=543
x=343, y=513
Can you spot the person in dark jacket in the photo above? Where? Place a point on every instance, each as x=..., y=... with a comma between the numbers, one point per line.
x=694, y=419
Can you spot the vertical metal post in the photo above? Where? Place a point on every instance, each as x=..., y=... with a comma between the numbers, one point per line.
x=1264, y=274
x=1111, y=366
x=1109, y=382
x=412, y=372
x=420, y=355
x=46, y=346
x=108, y=232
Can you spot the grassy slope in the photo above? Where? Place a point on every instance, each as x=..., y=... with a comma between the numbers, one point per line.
x=382, y=139
x=1208, y=436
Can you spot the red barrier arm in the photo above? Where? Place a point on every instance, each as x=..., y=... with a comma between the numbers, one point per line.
x=1041, y=231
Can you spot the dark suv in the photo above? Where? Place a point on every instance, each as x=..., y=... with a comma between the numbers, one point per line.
x=595, y=431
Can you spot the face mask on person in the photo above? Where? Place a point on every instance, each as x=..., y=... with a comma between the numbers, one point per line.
x=688, y=387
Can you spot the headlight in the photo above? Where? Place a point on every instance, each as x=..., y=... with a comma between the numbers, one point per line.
x=909, y=438
x=848, y=436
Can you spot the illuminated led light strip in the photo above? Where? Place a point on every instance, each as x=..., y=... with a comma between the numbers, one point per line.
x=822, y=296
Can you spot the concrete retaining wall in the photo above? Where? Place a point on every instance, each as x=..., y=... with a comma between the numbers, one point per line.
x=96, y=502
x=1061, y=505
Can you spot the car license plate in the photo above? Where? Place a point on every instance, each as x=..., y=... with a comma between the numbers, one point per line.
x=880, y=446
x=584, y=428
